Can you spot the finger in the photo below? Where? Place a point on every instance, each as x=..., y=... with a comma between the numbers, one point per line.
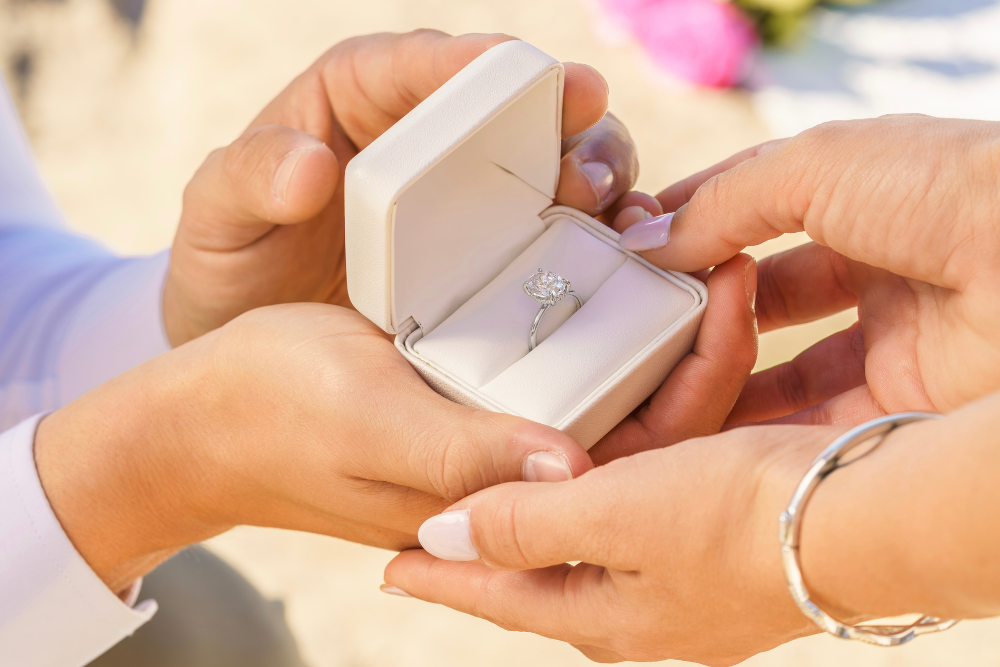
x=629, y=200
x=270, y=175
x=455, y=451
x=700, y=392
x=585, y=100
x=631, y=215
x=895, y=356
x=851, y=408
x=371, y=82
x=681, y=192
x=560, y=602
x=878, y=191
x=801, y=285
x=827, y=369
x=524, y=526
x=598, y=166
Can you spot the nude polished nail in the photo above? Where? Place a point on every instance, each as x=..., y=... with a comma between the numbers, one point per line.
x=447, y=536
x=601, y=179
x=648, y=234
x=392, y=590
x=546, y=467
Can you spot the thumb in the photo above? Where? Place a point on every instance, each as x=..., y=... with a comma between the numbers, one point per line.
x=454, y=451
x=271, y=175
x=522, y=526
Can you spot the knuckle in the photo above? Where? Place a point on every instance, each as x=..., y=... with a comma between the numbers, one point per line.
x=196, y=186
x=771, y=302
x=792, y=385
x=489, y=604
x=511, y=540
x=242, y=160
x=457, y=467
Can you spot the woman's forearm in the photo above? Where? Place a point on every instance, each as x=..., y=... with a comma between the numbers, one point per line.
x=911, y=526
x=118, y=473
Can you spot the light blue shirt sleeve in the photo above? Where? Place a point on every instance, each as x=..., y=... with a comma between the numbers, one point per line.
x=72, y=315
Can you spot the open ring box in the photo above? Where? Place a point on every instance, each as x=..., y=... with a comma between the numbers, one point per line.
x=450, y=211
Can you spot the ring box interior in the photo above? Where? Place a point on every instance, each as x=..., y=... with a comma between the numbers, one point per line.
x=450, y=211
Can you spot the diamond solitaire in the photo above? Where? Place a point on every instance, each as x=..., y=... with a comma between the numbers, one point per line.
x=547, y=288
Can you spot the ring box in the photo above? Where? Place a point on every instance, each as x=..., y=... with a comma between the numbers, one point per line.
x=450, y=211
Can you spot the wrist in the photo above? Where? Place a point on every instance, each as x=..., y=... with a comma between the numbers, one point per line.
x=118, y=473
x=858, y=555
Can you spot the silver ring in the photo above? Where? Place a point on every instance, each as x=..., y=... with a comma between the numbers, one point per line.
x=547, y=288
x=790, y=524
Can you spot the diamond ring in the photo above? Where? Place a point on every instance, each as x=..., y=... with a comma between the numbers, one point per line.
x=547, y=288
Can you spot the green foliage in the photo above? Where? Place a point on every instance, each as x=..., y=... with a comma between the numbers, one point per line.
x=780, y=21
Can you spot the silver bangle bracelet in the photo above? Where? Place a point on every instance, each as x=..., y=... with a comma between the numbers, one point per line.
x=790, y=525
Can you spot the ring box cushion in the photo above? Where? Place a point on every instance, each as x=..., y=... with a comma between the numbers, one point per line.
x=449, y=212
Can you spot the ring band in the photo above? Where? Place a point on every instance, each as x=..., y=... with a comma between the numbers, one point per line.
x=547, y=288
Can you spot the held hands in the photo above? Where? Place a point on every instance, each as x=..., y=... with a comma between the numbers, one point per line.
x=263, y=219
x=304, y=416
x=300, y=416
x=679, y=545
x=679, y=551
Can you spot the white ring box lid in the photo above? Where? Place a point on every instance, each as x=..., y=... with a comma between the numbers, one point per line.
x=422, y=241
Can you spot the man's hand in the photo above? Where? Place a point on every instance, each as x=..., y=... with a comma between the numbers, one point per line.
x=263, y=219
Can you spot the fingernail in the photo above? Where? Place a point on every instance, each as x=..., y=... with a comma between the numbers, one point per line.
x=392, y=590
x=600, y=177
x=447, y=536
x=283, y=176
x=750, y=280
x=648, y=234
x=546, y=467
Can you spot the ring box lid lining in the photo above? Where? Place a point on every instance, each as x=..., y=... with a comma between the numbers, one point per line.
x=441, y=202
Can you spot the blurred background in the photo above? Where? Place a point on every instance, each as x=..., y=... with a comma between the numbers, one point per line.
x=123, y=99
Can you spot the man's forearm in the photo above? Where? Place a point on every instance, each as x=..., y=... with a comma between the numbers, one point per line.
x=75, y=316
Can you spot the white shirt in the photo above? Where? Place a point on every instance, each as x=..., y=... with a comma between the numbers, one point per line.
x=72, y=315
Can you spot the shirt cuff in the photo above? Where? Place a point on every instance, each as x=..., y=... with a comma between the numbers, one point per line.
x=54, y=610
x=117, y=325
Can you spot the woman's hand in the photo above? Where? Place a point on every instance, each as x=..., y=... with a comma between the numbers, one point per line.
x=680, y=547
x=263, y=219
x=299, y=416
x=901, y=211
x=698, y=395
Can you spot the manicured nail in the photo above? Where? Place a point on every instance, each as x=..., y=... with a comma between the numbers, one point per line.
x=750, y=280
x=392, y=590
x=283, y=176
x=547, y=467
x=648, y=234
x=446, y=536
x=601, y=179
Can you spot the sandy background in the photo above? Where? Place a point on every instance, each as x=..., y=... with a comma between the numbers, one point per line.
x=121, y=112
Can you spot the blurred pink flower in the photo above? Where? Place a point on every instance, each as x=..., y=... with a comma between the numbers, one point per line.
x=707, y=42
